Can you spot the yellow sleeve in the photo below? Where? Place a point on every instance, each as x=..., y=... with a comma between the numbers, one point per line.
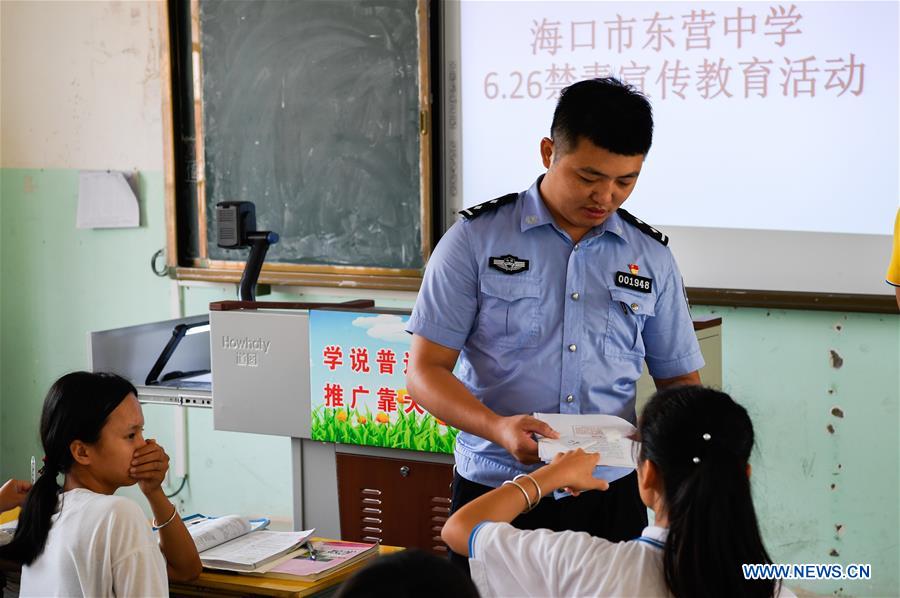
x=893, y=274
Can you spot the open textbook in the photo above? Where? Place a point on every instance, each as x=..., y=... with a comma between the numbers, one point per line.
x=604, y=434
x=237, y=544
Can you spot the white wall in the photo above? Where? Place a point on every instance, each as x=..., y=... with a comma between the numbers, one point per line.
x=80, y=85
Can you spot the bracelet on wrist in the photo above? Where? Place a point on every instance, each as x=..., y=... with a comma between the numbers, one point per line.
x=528, y=503
x=157, y=526
x=540, y=494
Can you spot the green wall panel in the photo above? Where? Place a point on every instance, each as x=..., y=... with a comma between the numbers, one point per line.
x=60, y=283
x=826, y=474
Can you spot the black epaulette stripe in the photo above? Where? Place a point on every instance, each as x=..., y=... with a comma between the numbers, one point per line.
x=643, y=226
x=488, y=206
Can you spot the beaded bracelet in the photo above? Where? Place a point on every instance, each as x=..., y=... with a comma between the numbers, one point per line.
x=524, y=493
x=157, y=527
x=540, y=494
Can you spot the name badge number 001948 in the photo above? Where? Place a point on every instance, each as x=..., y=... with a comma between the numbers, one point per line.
x=636, y=283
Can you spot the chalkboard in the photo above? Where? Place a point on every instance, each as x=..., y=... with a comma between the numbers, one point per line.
x=316, y=111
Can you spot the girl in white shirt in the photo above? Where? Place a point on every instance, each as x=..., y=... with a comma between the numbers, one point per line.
x=80, y=539
x=693, y=471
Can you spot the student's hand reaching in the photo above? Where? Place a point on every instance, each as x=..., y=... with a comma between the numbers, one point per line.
x=13, y=494
x=573, y=471
x=149, y=466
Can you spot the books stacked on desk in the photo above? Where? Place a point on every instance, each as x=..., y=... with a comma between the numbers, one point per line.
x=233, y=543
x=322, y=558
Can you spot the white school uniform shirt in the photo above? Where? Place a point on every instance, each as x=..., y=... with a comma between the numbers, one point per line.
x=99, y=545
x=506, y=561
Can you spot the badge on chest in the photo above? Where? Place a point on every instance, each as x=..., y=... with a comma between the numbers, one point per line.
x=630, y=280
x=509, y=264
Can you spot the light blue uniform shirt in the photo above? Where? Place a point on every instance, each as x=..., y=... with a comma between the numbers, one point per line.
x=559, y=336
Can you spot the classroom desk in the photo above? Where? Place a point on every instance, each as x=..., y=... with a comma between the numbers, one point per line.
x=9, y=515
x=225, y=583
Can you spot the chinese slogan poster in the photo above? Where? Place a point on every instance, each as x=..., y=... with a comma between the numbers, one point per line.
x=358, y=384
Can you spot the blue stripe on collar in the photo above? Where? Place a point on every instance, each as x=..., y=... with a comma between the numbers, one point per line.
x=650, y=541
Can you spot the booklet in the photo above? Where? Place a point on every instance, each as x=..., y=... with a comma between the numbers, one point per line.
x=237, y=544
x=604, y=434
x=327, y=557
x=7, y=531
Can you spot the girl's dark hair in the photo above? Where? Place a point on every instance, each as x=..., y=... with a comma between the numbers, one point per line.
x=76, y=408
x=700, y=440
x=409, y=574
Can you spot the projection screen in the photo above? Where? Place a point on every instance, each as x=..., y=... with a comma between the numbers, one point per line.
x=774, y=165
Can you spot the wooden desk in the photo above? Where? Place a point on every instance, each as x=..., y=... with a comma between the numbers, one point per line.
x=226, y=583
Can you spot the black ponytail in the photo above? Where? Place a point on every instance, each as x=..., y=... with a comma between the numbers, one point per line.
x=76, y=408
x=700, y=440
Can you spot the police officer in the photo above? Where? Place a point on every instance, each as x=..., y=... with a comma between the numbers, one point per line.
x=551, y=299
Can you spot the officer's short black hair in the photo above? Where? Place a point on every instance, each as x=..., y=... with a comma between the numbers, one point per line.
x=608, y=113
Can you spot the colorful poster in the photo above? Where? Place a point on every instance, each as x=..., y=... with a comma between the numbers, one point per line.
x=358, y=365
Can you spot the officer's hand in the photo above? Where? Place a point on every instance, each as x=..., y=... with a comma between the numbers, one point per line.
x=515, y=435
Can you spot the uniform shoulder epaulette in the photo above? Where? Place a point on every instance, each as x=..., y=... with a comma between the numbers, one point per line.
x=488, y=206
x=643, y=226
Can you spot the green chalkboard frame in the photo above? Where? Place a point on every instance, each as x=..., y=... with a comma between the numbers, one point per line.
x=186, y=202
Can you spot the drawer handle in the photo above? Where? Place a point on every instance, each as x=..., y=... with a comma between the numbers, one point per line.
x=372, y=539
x=371, y=501
x=404, y=471
x=371, y=491
x=371, y=520
x=372, y=530
x=371, y=510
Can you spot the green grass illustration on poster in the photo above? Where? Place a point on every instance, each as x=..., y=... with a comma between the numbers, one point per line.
x=358, y=384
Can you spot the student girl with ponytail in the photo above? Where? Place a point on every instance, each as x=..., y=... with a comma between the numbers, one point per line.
x=693, y=472
x=81, y=539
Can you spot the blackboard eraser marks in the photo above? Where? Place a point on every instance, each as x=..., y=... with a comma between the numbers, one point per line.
x=107, y=199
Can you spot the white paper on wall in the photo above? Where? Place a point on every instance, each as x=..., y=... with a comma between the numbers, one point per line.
x=106, y=199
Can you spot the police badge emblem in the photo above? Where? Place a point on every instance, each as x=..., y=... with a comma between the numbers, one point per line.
x=508, y=264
